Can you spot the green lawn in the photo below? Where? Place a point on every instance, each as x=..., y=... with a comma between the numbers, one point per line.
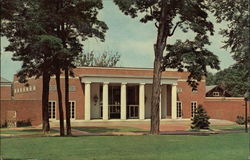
x=228, y=127
x=24, y=131
x=165, y=147
x=108, y=129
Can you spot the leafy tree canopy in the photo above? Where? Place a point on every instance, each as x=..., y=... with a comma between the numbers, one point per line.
x=231, y=79
x=236, y=14
x=187, y=15
x=104, y=60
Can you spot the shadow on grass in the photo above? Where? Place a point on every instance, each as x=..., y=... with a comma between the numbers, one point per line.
x=108, y=129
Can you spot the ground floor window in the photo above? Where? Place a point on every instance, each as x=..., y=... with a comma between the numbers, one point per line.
x=179, y=109
x=52, y=109
x=72, y=105
x=193, y=108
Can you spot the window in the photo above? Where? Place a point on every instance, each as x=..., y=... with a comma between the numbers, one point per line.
x=216, y=94
x=27, y=89
x=24, y=89
x=72, y=105
x=21, y=89
x=34, y=88
x=179, y=109
x=52, y=88
x=179, y=89
x=14, y=90
x=72, y=88
x=193, y=108
x=17, y=90
x=194, y=90
x=30, y=88
x=52, y=109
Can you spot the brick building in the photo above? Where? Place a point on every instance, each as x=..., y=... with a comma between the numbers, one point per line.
x=114, y=93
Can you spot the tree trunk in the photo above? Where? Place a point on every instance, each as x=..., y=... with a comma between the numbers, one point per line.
x=45, y=102
x=68, y=126
x=159, y=47
x=59, y=93
x=155, y=119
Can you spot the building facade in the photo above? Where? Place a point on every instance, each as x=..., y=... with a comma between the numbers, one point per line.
x=98, y=93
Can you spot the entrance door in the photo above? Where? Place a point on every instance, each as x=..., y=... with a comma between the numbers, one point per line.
x=133, y=102
x=114, y=102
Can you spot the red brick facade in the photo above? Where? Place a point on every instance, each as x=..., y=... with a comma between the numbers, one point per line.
x=225, y=108
x=27, y=99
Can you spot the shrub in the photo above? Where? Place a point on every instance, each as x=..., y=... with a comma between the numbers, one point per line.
x=240, y=120
x=200, y=119
x=3, y=125
x=24, y=123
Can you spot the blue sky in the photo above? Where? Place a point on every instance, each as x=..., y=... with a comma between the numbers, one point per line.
x=130, y=38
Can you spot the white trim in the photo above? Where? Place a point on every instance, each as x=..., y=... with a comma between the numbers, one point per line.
x=181, y=108
x=224, y=98
x=70, y=101
x=55, y=109
x=125, y=79
x=191, y=105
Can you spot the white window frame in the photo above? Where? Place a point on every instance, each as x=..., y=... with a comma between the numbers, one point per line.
x=70, y=109
x=179, y=90
x=179, y=107
x=34, y=88
x=30, y=88
x=51, y=101
x=216, y=94
x=193, y=107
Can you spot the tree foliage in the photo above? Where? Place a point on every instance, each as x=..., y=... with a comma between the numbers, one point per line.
x=104, y=60
x=46, y=35
x=236, y=14
x=200, y=119
x=231, y=79
x=190, y=55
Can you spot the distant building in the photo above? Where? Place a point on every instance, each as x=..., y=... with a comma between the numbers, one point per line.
x=216, y=91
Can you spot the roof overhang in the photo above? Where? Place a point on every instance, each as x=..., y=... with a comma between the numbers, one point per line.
x=111, y=78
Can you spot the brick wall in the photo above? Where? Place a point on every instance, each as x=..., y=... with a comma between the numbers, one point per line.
x=25, y=110
x=5, y=92
x=227, y=108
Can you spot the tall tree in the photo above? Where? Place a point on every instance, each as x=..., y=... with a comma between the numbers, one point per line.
x=237, y=17
x=104, y=60
x=31, y=43
x=73, y=21
x=189, y=55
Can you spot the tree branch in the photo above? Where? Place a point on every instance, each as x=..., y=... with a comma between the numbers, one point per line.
x=175, y=28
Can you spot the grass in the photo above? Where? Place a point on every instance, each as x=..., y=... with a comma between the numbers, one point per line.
x=23, y=131
x=108, y=129
x=214, y=147
x=228, y=127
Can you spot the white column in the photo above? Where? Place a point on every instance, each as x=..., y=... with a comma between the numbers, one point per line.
x=142, y=101
x=174, y=99
x=123, y=101
x=164, y=101
x=105, y=107
x=87, y=100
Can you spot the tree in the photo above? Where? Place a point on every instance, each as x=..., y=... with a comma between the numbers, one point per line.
x=104, y=60
x=200, y=119
x=236, y=15
x=73, y=22
x=31, y=44
x=210, y=79
x=231, y=79
x=189, y=55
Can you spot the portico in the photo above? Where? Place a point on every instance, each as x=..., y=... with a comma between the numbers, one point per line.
x=126, y=97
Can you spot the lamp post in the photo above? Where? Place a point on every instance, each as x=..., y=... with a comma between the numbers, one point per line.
x=246, y=98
